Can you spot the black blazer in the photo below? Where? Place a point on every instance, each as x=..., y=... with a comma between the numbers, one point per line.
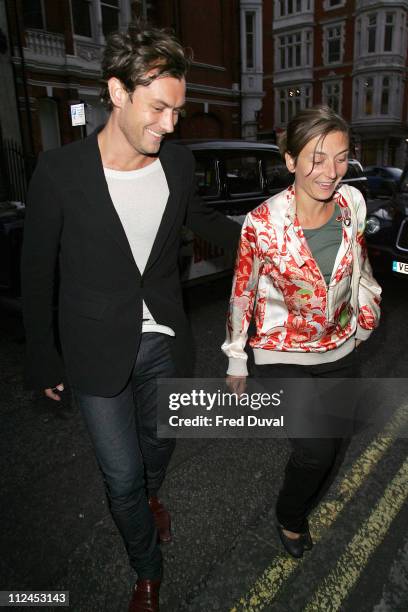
x=71, y=222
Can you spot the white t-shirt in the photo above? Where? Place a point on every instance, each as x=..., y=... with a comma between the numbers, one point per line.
x=140, y=197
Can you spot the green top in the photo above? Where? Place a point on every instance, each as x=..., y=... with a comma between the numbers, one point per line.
x=324, y=243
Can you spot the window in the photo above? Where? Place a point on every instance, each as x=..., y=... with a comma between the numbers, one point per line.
x=334, y=44
x=358, y=37
x=368, y=102
x=250, y=35
x=33, y=14
x=332, y=94
x=333, y=4
x=206, y=176
x=385, y=95
x=292, y=100
x=372, y=32
x=81, y=14
x=378, y=95
x=378, y=33
x=290, y=7
x=294, y=50
x=277, y=175
x=242, y=174
x=110, y=16
x=388, y=32
x=308, y=36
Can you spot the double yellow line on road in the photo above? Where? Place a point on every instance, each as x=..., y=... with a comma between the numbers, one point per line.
x=336, y=586
x=368, y=537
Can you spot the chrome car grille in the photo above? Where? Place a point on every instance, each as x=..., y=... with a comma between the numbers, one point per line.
x=402, y=238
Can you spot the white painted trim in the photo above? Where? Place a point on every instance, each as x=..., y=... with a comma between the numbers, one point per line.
x=327, y=7
x=303, y=43
x=397, y=38
x=395, y=97
x=333, y=81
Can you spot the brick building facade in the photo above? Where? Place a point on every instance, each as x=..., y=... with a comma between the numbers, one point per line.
x=56, y=51
x=350, y=54
x=255, y=63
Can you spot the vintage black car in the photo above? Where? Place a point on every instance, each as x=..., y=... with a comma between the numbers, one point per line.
x=382, y=180
x=387, y=232
x=234, y=176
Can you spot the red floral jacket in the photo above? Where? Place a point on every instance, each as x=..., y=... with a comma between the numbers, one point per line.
x=298, y=317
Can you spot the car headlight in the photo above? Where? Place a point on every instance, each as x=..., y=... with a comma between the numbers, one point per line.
x=373, y=225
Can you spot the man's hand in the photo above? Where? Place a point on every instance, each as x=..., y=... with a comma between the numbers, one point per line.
x=52, y=393
x=236, y=384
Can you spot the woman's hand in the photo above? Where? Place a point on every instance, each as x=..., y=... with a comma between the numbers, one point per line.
x=236, y=384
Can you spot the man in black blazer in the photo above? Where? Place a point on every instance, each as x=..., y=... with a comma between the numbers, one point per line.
x=107, y=212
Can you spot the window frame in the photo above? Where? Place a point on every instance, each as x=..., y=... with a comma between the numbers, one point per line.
x=362, y=33
x=326, y=42
x=395, y=90
x=241, y=153
x=302, y=47
x=91, y=19
x=326, y=95
x=212, y=156
x=303, y=91
x=107, y=4
x=43, y=18
x=328, y=7
x=252, y=16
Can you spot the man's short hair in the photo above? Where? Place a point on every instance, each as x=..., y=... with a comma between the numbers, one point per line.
x=139, y=56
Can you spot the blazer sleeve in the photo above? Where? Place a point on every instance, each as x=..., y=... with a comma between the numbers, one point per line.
x=42, y=231
x=369, y=291
x=208, y=222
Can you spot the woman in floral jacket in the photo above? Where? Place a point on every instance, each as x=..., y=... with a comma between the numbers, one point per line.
x=302, y=272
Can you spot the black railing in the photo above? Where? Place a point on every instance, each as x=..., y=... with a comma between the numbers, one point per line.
x=18, y=168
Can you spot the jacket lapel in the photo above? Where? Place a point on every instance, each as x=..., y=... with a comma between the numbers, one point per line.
x=174, y=177
x=95, y=187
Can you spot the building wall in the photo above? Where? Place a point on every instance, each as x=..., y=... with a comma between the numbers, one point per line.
x=9, y=122
x=60, y=68
x=340, y=74
x=211, y=30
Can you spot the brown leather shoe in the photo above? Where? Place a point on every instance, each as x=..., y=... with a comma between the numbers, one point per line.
x=162, y=519
x=145, y=596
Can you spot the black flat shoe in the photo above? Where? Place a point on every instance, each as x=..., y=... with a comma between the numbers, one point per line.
x=294, y=547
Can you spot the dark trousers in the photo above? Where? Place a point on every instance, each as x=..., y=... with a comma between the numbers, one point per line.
x=314, y=462
x=132, y=459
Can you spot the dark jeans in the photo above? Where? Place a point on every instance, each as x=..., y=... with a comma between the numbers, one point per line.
x=132, y=459
x=314, y=462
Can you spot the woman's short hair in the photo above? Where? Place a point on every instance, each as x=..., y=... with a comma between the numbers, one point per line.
x=307, y=124
x=140, y=55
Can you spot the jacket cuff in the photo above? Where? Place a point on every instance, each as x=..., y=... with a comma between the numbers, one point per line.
x=237, y=366
x=363, y=334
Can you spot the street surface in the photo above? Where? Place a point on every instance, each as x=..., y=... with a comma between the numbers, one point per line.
x=57, y=533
